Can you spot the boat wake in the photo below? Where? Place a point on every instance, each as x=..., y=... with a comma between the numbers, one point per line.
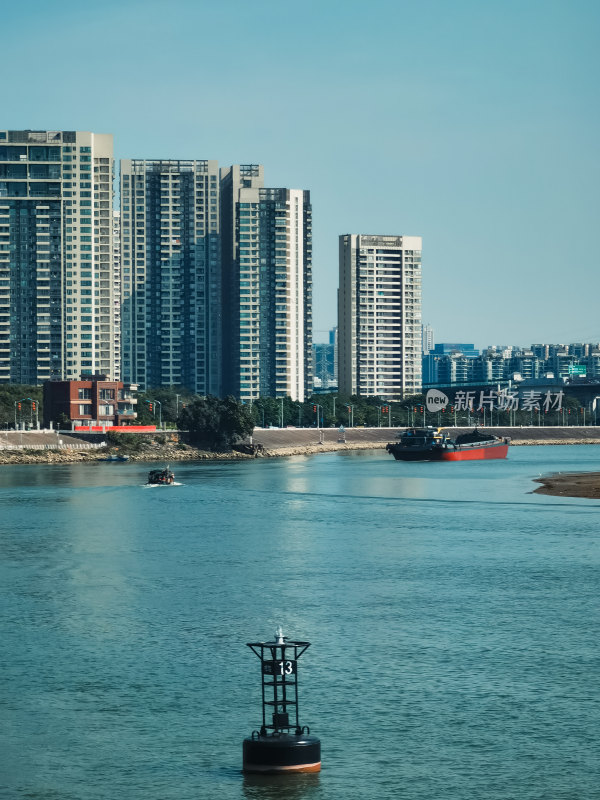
x=160, y=485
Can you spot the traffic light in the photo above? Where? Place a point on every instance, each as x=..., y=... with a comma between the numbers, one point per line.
x=19, y=407
x=421, y=409
x=33, y=405
x=150, y=407
x=315, y=409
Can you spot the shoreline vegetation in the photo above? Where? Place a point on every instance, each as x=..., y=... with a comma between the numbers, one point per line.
x=167, y=447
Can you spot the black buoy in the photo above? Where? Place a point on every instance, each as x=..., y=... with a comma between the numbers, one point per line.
x=281, y=746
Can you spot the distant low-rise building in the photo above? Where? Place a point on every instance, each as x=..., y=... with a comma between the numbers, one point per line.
x=95, y=400
x=427, y=338
x=456, y=364
x=449, y=363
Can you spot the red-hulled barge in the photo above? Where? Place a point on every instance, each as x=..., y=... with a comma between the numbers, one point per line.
x=431, y=444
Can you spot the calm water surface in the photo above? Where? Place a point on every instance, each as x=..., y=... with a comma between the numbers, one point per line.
x=454, y=618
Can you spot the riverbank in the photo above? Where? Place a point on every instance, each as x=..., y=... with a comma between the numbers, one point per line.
x=39, y=447
x=150, y=451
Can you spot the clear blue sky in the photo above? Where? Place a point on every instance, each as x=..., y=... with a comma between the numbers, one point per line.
x=472, y=123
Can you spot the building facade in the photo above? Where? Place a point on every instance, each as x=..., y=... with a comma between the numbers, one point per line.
x=427, y=339
x=267, y=287
x=379, y=316
x=448, y=361
x=461, y=364
x=97, y=401
x=333, y=340
x=171, y=274
x=116, y=245
x=57, y=304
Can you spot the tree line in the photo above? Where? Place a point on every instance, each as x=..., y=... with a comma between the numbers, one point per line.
x=176, y=407
x=335, y=410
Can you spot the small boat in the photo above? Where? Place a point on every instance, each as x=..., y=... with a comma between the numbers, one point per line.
x=161, y=477
x=114, y=457
x=431, y=444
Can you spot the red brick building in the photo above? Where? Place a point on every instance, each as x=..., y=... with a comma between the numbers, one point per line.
x=95, y=400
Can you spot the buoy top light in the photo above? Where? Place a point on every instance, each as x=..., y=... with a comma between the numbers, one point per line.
x=280, y=641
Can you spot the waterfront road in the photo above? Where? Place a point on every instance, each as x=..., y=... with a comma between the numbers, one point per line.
x=276, y=438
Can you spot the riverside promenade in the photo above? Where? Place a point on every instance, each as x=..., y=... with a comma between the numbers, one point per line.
x=44, y=440
x=293, y=441
x=302, y=440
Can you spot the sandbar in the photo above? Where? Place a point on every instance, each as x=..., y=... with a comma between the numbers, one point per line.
x=571, y=484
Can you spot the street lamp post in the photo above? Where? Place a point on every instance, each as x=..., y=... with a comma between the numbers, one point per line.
x=281, y=426
x=152, y=403
x=350, y=416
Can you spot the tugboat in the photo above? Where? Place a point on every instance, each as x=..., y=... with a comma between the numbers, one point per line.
x=161, y=477
x=431, y=444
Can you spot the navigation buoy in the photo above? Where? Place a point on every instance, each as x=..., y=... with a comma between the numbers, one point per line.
x=281, y=745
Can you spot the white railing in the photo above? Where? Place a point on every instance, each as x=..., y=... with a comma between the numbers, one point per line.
x=78, y=446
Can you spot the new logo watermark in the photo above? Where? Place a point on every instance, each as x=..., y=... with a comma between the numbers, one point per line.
x=436, y=400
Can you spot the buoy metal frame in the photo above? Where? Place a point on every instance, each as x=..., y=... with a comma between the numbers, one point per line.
x=282, y=745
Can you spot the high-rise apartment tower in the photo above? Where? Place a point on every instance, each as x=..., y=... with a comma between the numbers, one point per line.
x=116, y=245
x=57, y=313
x=267, y=287
x=171, y=276
x=379, y=316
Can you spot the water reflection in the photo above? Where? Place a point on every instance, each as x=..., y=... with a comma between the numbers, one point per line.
x=276, y=787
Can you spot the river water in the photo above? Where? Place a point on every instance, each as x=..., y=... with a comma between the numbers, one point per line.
x=454, y=620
